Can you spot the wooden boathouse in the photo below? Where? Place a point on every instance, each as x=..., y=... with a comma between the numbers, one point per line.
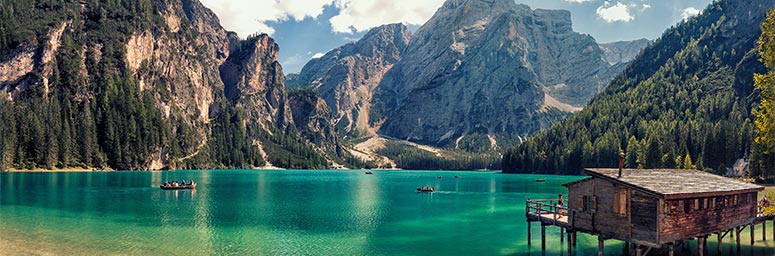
x=650, y=208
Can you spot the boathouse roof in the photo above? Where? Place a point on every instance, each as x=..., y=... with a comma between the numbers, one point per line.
x=673, y=183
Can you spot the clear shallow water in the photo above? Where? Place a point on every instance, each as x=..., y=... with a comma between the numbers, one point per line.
x=284, y=213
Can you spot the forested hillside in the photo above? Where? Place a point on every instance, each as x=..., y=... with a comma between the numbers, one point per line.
x=684, y=102
x=116, y=84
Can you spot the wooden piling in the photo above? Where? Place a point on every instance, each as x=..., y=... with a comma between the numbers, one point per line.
x=574, y=239
x=737, y=238
x=752, y=227
x=720, y=236
x=528, y=233
x=670, y=249
x=543, y=237
x=600, y=246
x=569, y=244
x=639, y=250
x=701, y=245
x=764, y=230
x=562, y=236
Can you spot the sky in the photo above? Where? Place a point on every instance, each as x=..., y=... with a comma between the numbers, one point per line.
x=305, y=29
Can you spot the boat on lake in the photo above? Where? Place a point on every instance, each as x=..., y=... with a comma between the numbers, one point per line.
x=369, y=172
x=426, y=189
x=540, y=180
x=172, y=187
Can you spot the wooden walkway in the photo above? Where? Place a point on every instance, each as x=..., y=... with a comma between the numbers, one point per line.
x=550, y=213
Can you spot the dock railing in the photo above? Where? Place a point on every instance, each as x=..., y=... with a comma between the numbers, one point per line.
x=545, y=208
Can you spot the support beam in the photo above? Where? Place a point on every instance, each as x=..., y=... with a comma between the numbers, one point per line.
x=764, y=230
x=737, y=238
x=528, y=233
x=752, y=227
x=600, y=246
x=720, y=242
x=562, y=234
x=569, y=244
x=574, y=239
x=543, y=237
x=670, y=249
x=701, y=246
x=627, y=250
x=639, y=250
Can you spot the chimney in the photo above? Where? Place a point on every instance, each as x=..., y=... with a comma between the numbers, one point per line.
x=621, y=163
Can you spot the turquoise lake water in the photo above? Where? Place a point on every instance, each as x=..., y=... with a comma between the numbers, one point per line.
x=247, y=212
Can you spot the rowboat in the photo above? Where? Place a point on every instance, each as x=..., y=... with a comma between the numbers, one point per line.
x=171, y=187
x=426, y=189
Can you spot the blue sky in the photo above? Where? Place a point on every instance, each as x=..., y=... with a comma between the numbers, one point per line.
x=306, y=28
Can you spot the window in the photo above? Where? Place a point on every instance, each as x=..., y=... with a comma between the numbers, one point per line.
x=680, y=206
x=586, y=203
x=704, y=203
x=620, y=202
x=696, y=204
x=713, y=203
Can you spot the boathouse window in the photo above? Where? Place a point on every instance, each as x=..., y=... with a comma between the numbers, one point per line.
x=713, y=203
x=696, y=204
x=586, y=204
x=705, y=203
x=620, y=202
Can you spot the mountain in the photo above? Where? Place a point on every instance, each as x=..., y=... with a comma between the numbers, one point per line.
x=489, y=71
x=346, y=77
x=147, y=84
x=623, y=51
x=684, y=102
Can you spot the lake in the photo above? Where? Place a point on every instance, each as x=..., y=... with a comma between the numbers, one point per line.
x=251, y=212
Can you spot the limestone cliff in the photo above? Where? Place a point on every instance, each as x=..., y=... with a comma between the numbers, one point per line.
x=346, y=77
x=491, y=68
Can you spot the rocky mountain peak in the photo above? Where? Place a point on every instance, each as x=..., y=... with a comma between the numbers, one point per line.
x=346, y=77
x=489, y=67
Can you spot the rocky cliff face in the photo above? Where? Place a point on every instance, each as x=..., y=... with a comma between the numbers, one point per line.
x=170, y=89
x=489, y=67
x=253, y=79
x=623, y=51
x=347, y=76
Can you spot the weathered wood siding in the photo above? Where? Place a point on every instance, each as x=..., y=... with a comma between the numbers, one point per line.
x=687, y=218
x=606, y=222
x=581, y=219
x=644, y=212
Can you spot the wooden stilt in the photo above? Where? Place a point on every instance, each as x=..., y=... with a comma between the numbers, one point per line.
x=720, y=242
x=600, y=246
x=627, y=248
x=639, y=250
x=570, y=245
x=562, y=234
x=737, y=238
x=701, y=246
x=764, y=230
x=528, y=233
x=543, y=237
x=752, y=227
x=670, y=249
x=574, y=239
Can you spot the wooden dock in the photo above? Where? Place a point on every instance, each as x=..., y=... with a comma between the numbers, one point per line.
x=548, y=212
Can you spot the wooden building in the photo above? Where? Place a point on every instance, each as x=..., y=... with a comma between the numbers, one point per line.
x=650, y=208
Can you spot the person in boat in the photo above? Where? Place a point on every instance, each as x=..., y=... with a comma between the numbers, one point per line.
x=191, y=182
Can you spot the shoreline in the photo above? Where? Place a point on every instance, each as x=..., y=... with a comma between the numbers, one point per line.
x=73, y=170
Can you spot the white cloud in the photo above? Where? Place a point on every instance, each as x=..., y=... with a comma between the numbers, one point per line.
x=614, y=13
x=361, y=15
x=689, y=12
x=250, y=16
x=318, y=55
x=579, y=1
x=645, y=7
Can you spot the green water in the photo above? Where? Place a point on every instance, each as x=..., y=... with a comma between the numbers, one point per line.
x=283, y=213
